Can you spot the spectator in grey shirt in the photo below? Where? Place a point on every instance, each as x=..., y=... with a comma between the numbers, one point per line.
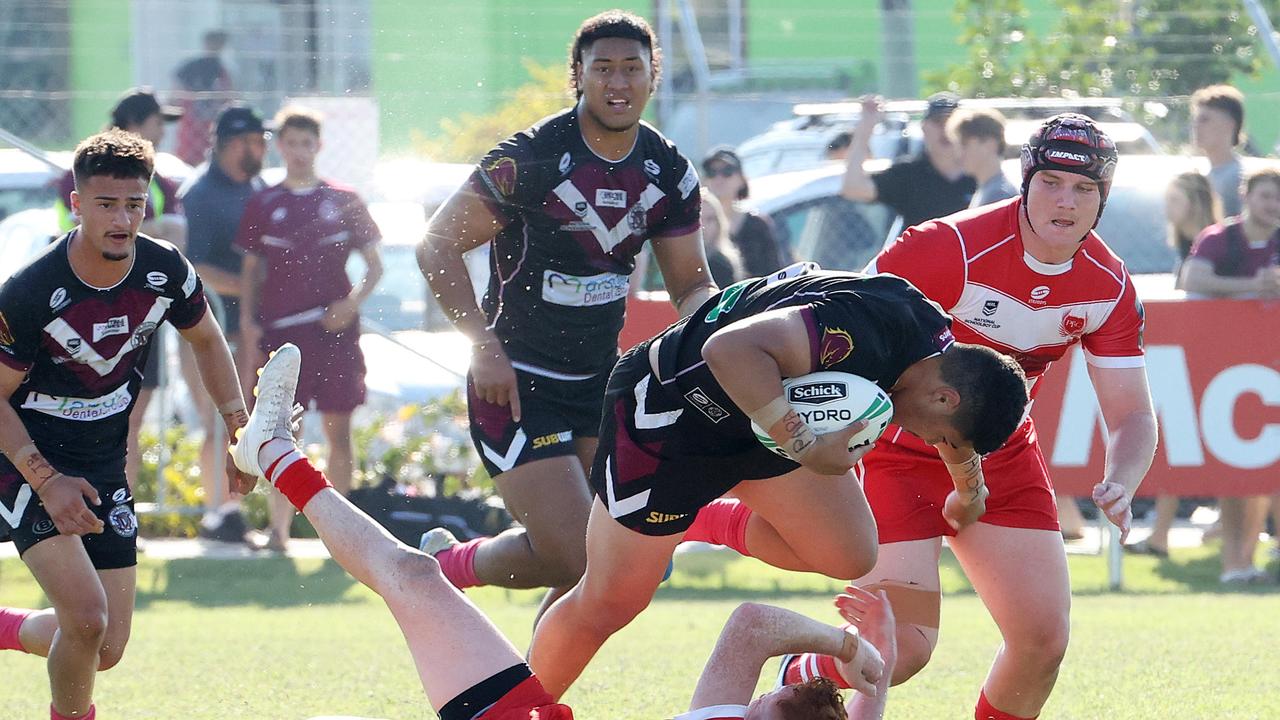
x=978, y=136
x=1217, y=129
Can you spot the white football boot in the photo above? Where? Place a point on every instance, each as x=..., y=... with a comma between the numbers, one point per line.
x=272, y=415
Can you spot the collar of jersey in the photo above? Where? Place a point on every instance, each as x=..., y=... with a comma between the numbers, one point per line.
x=66, y=255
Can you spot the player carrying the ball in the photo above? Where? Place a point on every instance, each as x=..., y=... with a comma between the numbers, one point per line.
x=676, y=435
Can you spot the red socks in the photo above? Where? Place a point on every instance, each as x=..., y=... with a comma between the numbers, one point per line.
x=297, y=480
x=458, y=563
x=984, y=710
x=805, y=667
x=10, y=623
x=93, y=713
x=722, y=522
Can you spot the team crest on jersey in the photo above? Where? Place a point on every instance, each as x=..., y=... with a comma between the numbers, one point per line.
x=652, y=168
x=142, y=335
x=836, y=345
x=123, y=521
x=989, y=307
x=566, y=163
x=329, y=211
x=118, y=325
x=637, y=221
x=1072, y=326
x=58, y=299
x=279, y=214
x=502, y=175
x=6, y=335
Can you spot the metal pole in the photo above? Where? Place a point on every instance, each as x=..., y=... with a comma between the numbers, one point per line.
x=701, y=70
x=1265, y=29
x=31, y=150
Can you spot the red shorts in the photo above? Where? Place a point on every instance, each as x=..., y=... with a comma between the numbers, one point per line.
x=527, y=701
x=906, y=484
x=332, y=374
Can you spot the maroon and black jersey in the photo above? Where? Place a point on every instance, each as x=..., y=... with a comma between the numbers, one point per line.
x=83, y=348
x=574, y=222
x=871, y=326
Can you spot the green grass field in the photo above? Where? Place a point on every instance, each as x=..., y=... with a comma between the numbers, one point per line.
x=282, y=639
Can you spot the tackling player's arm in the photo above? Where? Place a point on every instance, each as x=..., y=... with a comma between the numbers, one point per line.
x=218, y=373
x=62, y=495
x=749, y=358
x=683, y=263
x=755, y=633
x=1125, y=400
x=465, y=222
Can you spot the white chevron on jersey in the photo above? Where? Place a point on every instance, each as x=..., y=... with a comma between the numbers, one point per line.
x=80, y=349
x=609, y=238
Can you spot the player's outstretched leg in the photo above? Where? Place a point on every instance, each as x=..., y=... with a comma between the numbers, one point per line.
x=463, y=661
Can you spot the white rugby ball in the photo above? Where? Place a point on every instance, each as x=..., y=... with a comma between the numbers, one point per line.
x=828, y=401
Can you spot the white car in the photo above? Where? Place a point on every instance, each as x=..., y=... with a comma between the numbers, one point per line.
x=818, y=224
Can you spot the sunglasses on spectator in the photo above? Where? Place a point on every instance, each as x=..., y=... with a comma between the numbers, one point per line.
x=724, y=171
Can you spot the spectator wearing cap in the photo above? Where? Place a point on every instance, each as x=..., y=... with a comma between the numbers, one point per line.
x=214, y=201
x=978, y=136
x=749, y=231
x=205, y=85
x=1217, y=129
x=921, y=188
x=140, y=113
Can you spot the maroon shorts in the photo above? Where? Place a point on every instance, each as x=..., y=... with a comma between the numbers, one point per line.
x=332, y=374
x=906, y=484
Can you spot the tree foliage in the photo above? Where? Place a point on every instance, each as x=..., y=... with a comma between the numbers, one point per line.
x=1144, y=48
x=467, y=138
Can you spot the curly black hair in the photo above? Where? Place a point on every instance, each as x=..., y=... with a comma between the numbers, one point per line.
x=993, y=394
x=116, y=153
x=613, y=24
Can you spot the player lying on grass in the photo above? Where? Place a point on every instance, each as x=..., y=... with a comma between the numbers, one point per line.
x=468, y=669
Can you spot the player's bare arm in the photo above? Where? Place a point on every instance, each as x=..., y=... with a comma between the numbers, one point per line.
x=755, y=633
x=63, y=496
x=968, y=501
x=1125, y=400
x=218, y=373
x=340, y=314
x=750, y=358
x=683, y=262
x=464, y=222
x=857, y=184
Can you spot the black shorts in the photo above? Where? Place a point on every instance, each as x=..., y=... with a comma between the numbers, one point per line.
x=26, y=522
x=552, y=414
x=660, y=460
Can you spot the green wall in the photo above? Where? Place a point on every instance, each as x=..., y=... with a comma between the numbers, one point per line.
x=101, y=61
x=815, y=30
x=436, y=60
x=1262, y=109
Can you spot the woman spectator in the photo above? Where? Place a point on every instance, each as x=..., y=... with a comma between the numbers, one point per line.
x=722, y=257
x=1240, y=258
x=1190, y=206
x=752, y=233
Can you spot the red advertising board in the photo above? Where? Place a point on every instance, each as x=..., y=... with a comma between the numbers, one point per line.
x=1214, y=369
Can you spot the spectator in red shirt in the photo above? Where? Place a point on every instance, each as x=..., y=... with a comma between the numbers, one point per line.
x=296, y=237
x=1240, y=258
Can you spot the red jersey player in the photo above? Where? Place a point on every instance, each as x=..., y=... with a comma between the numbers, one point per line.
x=1027, y=277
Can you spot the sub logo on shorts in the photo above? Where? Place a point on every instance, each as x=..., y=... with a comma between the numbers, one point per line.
x=43, y=527
x=120, y=495
x=123, y=521
x=706, y=405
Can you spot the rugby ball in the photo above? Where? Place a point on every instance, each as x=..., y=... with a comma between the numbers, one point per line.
x=828, y=401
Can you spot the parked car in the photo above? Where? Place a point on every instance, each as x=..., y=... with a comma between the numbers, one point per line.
x=818, y=224
x=800, y=143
